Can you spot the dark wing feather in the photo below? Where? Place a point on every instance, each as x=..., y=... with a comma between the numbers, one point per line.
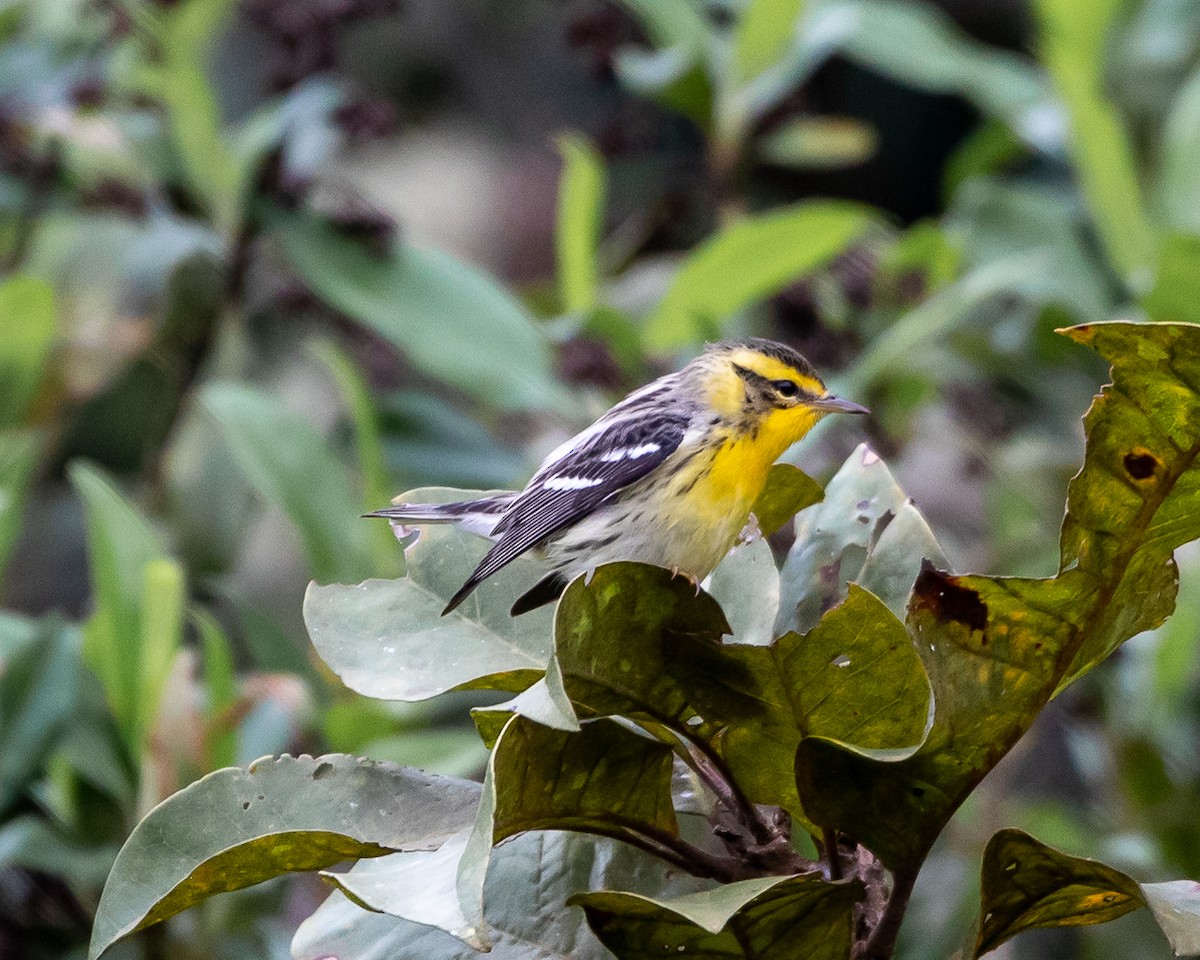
x=572, y=486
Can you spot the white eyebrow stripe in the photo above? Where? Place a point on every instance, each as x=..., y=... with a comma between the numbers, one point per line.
x=572, y=483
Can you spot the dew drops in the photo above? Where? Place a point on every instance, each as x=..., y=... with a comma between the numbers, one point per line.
x=389, y=649
x=841, y=660
x=694, y=721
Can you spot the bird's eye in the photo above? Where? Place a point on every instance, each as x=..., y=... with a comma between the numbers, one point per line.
x=785, y=388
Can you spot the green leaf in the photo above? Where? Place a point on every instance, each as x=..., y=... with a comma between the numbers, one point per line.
x=423, y=300
x=1136, y=498
x=1072, y=49
x=376, y=483
x=768, y=918
x=601, y=779
x=121, y=545
x=580, y=217
x=30, y=326
x=236, y=828
x=855, y=678
x=1176, y=292
x=544, y=702
x=291, y=466
x=388, y=638
x=163, y=596
x=417, y=886
x=997, y=649
x=31, y=842
x=175, y=73
x=920, y=46
x=451, y=752
x=1032, y=274
x=788, y=490
x=746, y=585
x=1178, y=181
x=529, y=882
x=627, y=639
x=19, y=451
x=866, y=530
x=818, y=143
x=39, y=687
x=220, y=685
x=1176, y=906
x=1026, y=884
x=764, y=31
x=748, y=261
x=990, y=647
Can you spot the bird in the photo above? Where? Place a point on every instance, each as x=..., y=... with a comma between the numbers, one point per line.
x=667, y=476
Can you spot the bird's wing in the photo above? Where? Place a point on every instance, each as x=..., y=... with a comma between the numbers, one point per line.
x=605, y=460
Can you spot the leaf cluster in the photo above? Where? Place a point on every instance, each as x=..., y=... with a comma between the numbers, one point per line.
x=725, y=758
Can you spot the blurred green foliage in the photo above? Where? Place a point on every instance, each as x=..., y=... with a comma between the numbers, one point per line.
x=215, y=354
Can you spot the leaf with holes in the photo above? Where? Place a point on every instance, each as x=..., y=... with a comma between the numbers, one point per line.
x=865, y=530
x=997, y=649
x=238, y=827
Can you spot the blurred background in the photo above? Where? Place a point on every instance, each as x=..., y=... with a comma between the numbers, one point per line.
x=267, y=263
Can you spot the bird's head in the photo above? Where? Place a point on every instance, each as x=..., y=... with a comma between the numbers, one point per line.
x=767, y=389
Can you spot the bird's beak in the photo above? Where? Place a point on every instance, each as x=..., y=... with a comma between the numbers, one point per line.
x=832, y=404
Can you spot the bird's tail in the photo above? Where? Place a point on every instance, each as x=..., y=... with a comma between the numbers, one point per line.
x=475, y=516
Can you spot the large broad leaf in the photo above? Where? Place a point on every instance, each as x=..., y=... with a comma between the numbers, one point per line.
x=1027, y=884
x=27, y=315
x=388, y=638
x=1072, y=48
x=290, y=465
x=747, y=262
x=627, y=639
x=855, y=678
x=18, y=456
x=580, y=217
x=39, y=687
x=636, y=642
x=866, y=530
x=529, y=883
x=768, y=918
x=601, y=779
x=236, y=828
x=423, y=300
x=996, y=649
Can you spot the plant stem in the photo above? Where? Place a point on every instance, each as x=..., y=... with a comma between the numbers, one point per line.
x=882, y=944
x=831, y=854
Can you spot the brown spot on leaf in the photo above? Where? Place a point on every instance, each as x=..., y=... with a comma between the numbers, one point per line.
x=946, y=598
x=1140, y=463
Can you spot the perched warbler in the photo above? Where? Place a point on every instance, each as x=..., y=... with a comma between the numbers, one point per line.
x=668, y=476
